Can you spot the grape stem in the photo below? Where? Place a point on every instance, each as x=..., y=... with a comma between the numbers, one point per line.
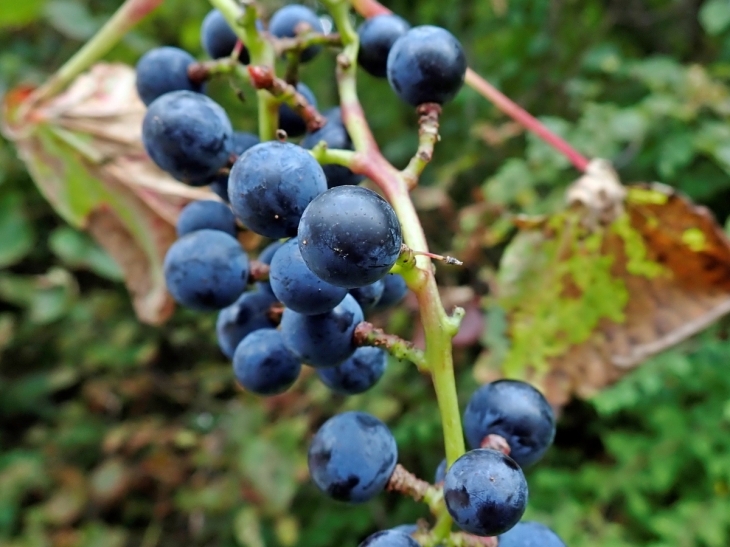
x=407, y=483
x=371, y=8
x=436, y=323
x=368, y=335
x=263, y=77
x=262, y=54
x=124, y=19
x=428, y=136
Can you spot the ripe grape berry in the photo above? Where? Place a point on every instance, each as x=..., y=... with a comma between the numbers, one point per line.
x=263, y=364
x=389, y=538
x=369, y=295
x=408, y=529
x=286, y=21
x=297, y=287
x=352, y=457
x=241, y=142
x=265, y=257
x=516, y=411
x=377, y=36
x=485, y=492
x=247, y=314
x=357, y=374
x=335, y=135
x=322, y=340
x=270, y=186
x=206, y=214
x=394, y=290
x=188, y=135
x=206, y=270
x=426, y=65
x=162, y=70
x=440, y=474
x=350, y=236
x=291, y=122
x=218, y=39
x=530, y=534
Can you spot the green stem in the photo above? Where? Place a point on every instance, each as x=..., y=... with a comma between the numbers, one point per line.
x=336, y=156
x=437, y=325
x=261, y=51
x=125, y=18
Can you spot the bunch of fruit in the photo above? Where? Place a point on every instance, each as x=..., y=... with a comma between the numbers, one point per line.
x=335, y=254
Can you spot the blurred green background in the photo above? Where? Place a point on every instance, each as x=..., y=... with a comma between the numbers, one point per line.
x=116, y=434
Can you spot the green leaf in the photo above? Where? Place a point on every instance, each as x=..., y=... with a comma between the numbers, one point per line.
x=15, y=14
x=78, y=251
x=16, y=231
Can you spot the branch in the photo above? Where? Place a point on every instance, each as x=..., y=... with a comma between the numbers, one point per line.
x=407, y=483
x=264, y=78
x=428, y=136
x=371, y=8
x=366, y=334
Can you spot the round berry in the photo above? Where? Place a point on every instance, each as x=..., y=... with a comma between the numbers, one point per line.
x=389, y=538
x=322, y=340
x=199, y=215
x=265, y=257
x=218, y=38
x=263, y=364
x=377, y=36
x=350, y=236
x=270, y=186
x=516, y=411
x=369, y=295
x=188, y=135
x=352, y=457
x=241, y=142
x=530, y=534
x=394, y=290
x=485, y=492
x=426, y=65
x=162, y=70
x=297, y=287
x=286, y=21
x=206, y=270
x=440, y=474
x=357, y=374
x=247, y=314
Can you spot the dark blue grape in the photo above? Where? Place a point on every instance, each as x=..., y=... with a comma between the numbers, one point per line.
x=377, y=36
x=335, y=135
x=162, y=70
x=407, y=529
x=426, y=65
x=440, y=474
x=188, y=135
x=293, y=283
x=284, y=23
x=393, y=292
x=206, y=214
x=247, y=314
x=369, y=295
x=389, y=538
x=270, y=186
x=218, y=38
x=350, y=236
x=357, y=374
x=289, y=120
x=263, y=364
x=241, y=142
x=530, y=534
x=206, y=270
x=322, y=340
x=485, y=492
x=352, y=457
x=265, y=257
x=516, y=411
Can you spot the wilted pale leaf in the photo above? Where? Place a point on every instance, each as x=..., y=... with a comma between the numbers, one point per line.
x=83, y=149
x=622, y=275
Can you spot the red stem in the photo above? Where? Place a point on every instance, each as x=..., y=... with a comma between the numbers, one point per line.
x=371, y=8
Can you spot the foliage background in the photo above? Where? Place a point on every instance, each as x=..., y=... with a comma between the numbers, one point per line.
x=113, y=433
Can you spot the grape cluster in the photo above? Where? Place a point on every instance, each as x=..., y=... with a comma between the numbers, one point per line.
x=334, y=244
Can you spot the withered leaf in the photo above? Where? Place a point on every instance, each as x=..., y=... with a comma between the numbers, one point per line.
x=84, y=151
x=625, y=273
